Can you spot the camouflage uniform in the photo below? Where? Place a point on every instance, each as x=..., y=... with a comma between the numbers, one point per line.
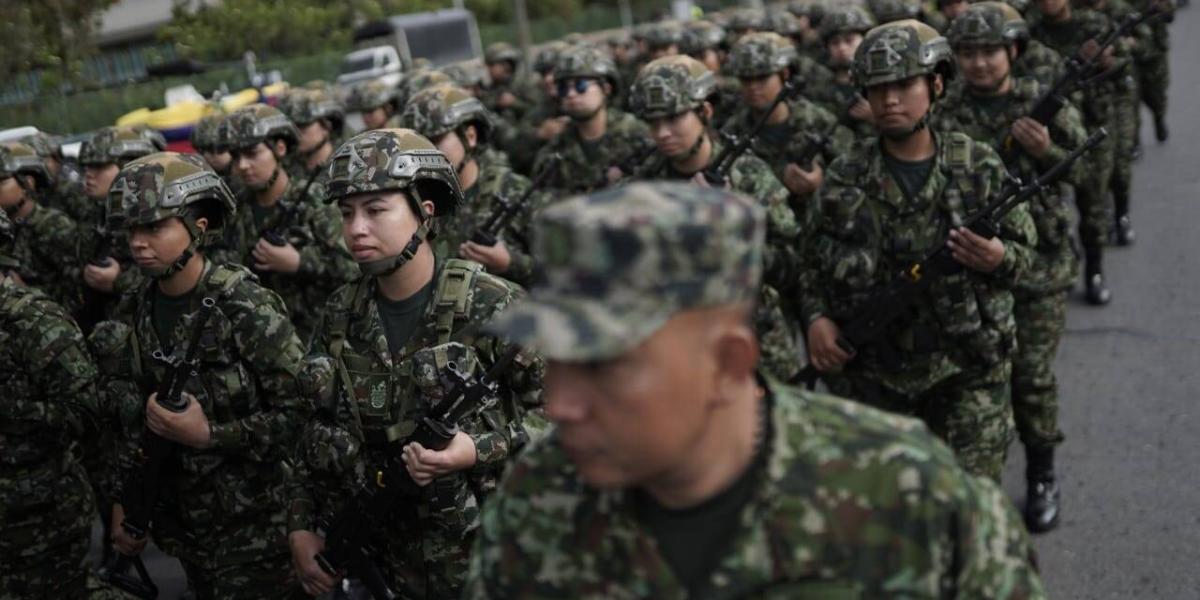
x=841, y=94
x=49, y=384
x=66, y=189
x=1153, y=66
x=700, y=37
x=369, y=95
x=221, y=513
x=210, y=135
x=582, y=164
x=825, y=466
x=304, y=107
x=518, y=140
x=950, y=361
x=306, y=222
x=375, y=397
x=503, y=52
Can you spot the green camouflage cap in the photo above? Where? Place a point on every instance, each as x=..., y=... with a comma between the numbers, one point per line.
x=900, y=50
x=164, y=185
x=586, y=62
x=393, y=159
x=669, y=86
x=305, y=106
x=502, y=52
x=846, y=19
x=438, y=110
x=664, y=35
x=369, y=95
x=617, y=264
x=699, y=36
x=759, y=54
x=258, y=123
x=547, y=56
x=206, y=135
x=886, y=11
x=21, y=159
x=988, y=24
x=115, y=145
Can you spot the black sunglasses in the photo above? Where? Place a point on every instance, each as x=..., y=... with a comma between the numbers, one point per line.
x=579, y=85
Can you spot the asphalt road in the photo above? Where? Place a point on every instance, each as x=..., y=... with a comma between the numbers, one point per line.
x=1129, y=376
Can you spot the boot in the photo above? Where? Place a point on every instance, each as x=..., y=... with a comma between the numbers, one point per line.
x=1160, y=128
x=1097, y=293
x=1122, y=232
x=1135, y=153
x=1043, y=497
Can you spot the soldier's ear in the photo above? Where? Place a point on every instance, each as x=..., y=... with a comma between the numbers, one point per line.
x=202, y=224
x=706, y=112
x=470, y=137
x=937, y=86
x=279, y=148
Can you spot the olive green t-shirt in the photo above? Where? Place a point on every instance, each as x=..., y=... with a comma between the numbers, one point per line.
x=400, y=318
x=910, y=176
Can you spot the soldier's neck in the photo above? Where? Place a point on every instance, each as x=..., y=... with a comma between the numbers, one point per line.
x=319, y=156
x=24, y=209
x=915, y=148
x=698, y=161
x=780, y=114
x=185, y=280
x=411, y=278
x=1004, y=89
x=468, y=174
x=595, y=127
x=270, y=196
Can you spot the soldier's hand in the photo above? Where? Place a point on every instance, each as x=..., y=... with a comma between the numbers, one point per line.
x=974, y=251
x=280, y=259
x=506, y=99
x=123, y=542
x=496, y=258
x=101, y=278
x=614, y=174
x=823, y=350
x=1033, y=136
x=305, y=546
x=16, y=278
x=425, y=465
x=861, y=110
x=189, y=427
x=550, y=128
x=801, y=182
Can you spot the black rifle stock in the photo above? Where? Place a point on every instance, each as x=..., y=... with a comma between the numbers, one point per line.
x=142, y=488
x=92, y=309
x=718, y=169
x=348, y=548
x=893, y=301
x=486, y=235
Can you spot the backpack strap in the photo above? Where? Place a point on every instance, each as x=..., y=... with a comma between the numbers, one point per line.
x=455, y=291
x=339, y=320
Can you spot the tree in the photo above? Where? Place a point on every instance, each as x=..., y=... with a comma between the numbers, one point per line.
x=49, y=34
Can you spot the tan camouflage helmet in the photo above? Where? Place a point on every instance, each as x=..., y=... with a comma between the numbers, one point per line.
x=258, y=123
x=206, y=135
x=759, y=54
x=988, y=24
x=441, y=109
x=699, y=36
x=901, y=50
x=669, y=86
x=502, y=52
x=17, y=159
x=369, y=95
x=846, y=19
x=115, y=145
x=547, y=56
x=419, y=81
x=617, y=264
x=887, y=11
x=305, y=106
x=586, y=62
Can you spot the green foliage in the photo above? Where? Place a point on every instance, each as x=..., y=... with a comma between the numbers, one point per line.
x=226, y=30
x=52, y=35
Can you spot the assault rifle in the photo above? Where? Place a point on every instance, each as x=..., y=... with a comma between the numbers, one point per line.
x=718, y=169
x=486, y=235
x=815, y=145
x=892, y=302
x=1077, y=71
x=142, y=488
x=348, y=547
x=92, y=309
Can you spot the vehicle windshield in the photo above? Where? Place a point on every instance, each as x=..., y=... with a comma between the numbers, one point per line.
x=355, y=64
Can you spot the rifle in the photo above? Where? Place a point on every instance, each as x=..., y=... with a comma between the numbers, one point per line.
x=887, y=306
x=815, y=145
x=92, y=309
x=275, y=235
x=628, y=166
x=1077, y=67
x=718, y=169
x=486, y=235
x=141, y=489
x=348, y=537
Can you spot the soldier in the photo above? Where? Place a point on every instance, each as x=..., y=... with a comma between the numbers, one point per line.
x=43, y=236
x=676, y=471
x=886, y=11
x=1071, y=31
x=414, y=83
x=598, y=136
x=285, y=232
x=544, y=119
x=672, y=95
x=319, y=118
x=383, y=343
x=663, y=40
x=221, y=513
x=503, y=96
x=842, y=30
x=744, y=22
x=460, y=127
x=1153, y=66
x=66, y=189
x=705, y=42
x=951, y=9
x=991, y=106
x=210, y=139
x=47, y=420
x=893, y=200
x=374, y=101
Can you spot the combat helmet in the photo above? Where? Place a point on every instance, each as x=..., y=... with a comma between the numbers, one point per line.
x=467, y=75
x=441, y=109
x=782, y=22
x=259, y=123
x=988, y=24
x=586, y=62
x=305, y=106
x=669, y=86
x=845, y=19
x=17, y=159
x=502, y=52
x=45, y=144
x=396, y=160
x=699, y=36
x=369, y=95
x=206, y=135
x=664, y=36
x=165, y=185
x=760, y=54
x=886, y=11
x=547, y=56
x=901, y=50
x=115, y=145
x=417, y=82
x=745, y=20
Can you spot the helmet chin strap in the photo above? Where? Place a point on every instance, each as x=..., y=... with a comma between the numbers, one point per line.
x=391, y=264
x=185, y=256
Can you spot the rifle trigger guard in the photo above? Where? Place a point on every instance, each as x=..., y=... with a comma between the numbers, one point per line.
x=379, y=479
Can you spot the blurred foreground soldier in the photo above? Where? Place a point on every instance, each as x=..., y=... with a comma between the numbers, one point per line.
x=842, y=30
x=677, y=471
x=461, y=127
x=991, y=106
x=891, y=201
x=220, y=512
x=384, y=356
x=47, y=421
x=319, y=119
x=598, y=135
x=374, y=101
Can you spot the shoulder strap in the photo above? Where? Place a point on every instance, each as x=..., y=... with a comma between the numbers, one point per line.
x=452, y=300
x=225, y=278
x=339, y=320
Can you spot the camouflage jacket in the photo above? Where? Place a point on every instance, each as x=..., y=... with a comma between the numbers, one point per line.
x=496, y=182
x=870, y=230
x=367, y=398
x=837, y=98
x=315, y=229
x=1040, y=62
x=49, y=407
x=518, y=140
x=45, y=246
x=804, y=119
x=850, y=502
x=68, y=196
x=225, y=502
x=1055, y=266
x=583, y=165
x=1097, y=101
